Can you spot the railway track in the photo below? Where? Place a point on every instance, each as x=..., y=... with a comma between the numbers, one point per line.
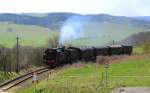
x=12, y=83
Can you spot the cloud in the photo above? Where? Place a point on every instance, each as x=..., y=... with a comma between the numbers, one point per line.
x=132, y=8
x=114, y=7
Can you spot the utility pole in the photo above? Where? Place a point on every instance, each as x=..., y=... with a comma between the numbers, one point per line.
x=17, y=55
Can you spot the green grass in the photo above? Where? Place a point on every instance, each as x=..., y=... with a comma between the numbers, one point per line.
x=30, y=35
x=7, y=76
x=103, y=33
x=95, y=33
x=138, y=50
x=142, y=49
x=86, y=78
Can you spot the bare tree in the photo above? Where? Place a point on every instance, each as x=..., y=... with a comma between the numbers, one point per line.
x=53, y=41
x=146, y=47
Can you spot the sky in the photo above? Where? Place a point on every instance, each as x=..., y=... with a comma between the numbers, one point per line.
x=112, y=7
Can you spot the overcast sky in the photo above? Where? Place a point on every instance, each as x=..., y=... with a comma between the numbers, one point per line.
x=113, y=7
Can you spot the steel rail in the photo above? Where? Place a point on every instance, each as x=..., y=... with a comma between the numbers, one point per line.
x=12, y=83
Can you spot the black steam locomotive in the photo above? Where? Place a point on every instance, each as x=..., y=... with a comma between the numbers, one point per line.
x=61, y=56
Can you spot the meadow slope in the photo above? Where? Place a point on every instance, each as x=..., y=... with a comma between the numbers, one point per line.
x=94, y=33
x=30, y=35
x=87, y=78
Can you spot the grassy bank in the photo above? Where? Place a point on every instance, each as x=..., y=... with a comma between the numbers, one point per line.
x=87, y=78
x=138, y=50
x=7, y=76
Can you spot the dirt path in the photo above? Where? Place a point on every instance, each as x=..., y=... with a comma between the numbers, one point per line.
x=132, y=90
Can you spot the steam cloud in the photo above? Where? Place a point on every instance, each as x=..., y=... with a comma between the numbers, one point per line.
x=72, y=29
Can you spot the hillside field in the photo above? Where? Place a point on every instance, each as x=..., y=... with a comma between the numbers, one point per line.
x=87, y=78
x=29, y=35
x=103, y=33
x=95, y=33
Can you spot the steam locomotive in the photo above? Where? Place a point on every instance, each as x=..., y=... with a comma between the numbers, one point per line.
x=60, y=56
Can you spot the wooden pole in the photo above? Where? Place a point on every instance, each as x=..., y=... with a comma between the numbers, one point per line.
x=17, y=55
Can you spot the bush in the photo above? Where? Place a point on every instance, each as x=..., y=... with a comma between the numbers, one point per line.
x=53, y=41
x=146, y=47
x=28, y=57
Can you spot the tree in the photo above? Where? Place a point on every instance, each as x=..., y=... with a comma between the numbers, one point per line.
x=53, y=41
x=146, y=47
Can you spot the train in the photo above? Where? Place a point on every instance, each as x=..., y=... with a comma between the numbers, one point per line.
x=61, y=55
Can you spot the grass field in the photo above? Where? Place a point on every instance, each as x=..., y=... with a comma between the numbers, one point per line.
x=86, y=78
x=30, y=35
x=94, y=34
x=7, y=76
x=141, y=49
x=103, y=33
x=138, y=50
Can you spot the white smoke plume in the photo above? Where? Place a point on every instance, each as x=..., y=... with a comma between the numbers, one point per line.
x=72, y=29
